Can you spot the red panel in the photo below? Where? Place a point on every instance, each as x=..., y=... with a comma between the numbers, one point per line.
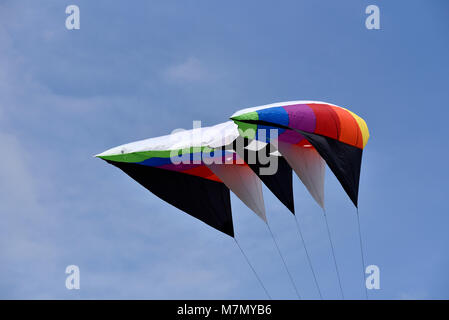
x=304, y=143
x=327, y=121
x=204, y=172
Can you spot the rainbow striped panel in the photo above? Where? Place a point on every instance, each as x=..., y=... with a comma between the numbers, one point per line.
x=313, y=117
x=188, y=160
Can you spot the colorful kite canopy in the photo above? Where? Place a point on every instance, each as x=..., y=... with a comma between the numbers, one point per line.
x=337, y=134
x=195, y=170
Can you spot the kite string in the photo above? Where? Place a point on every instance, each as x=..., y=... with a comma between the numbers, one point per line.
x=285, y=264
x=361, y=253
x=333, y=254
x=252, y=268
x=308, y=257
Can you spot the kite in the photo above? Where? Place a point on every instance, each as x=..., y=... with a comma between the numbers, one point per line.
x=195, y=170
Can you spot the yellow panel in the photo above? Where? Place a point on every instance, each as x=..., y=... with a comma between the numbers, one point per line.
x=363, y=127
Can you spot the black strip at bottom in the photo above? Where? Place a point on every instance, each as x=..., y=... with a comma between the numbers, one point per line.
x=280, y=182
x=206, y=200
x=343, y=159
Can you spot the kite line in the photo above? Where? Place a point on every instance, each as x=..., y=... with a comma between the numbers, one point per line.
x=252, y=268
x=333, y=254
x=361, y=253
x=308, y=257
x=285, y=264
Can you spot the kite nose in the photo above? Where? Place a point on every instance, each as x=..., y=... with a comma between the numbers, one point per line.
x=112, y=152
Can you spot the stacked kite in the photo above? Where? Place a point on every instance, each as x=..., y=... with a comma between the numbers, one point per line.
x=195, y=170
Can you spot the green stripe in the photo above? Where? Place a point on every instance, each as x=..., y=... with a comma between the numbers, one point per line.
x=246, y=116
x=247, y=130
x=144, y=155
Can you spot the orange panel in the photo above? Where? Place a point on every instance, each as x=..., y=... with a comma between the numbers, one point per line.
x=349, y=129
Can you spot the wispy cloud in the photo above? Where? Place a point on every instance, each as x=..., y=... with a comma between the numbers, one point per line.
x=190, y=70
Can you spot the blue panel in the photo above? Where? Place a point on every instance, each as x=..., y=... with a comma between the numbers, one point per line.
x=276, y=115
x=155, y=162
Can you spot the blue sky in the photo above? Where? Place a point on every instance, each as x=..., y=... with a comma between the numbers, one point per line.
x=140, y=70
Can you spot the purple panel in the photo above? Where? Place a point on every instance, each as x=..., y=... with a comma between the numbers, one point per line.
x=301, y=117
x=179, y=167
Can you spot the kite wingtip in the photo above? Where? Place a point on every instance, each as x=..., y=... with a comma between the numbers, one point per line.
x=102, y=155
